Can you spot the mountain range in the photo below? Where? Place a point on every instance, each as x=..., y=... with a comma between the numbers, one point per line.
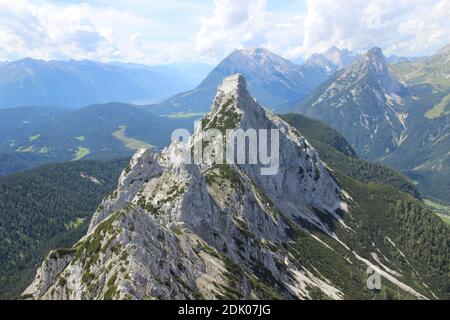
x=382, y=109
x=173, y=230
x=79, y=83
x=335, y=211
x=194, y=73
x=396, y=114
x=275, y=81
x=424, y=155
x=272, y=80
x=65, y=184
x=332, y=60
x=365, y=103
x=432, y=70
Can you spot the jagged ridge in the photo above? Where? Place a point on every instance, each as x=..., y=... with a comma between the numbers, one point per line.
x=365, y=103
x=173, y=230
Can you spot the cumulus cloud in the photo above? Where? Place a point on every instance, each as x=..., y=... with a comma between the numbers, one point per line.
x=398, y=26
x=51, y=30
x=153, y=31
x=234, y=24
x=46, y=30
x=402, y=27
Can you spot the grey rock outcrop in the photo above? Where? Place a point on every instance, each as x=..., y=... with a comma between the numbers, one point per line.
x=175, y=230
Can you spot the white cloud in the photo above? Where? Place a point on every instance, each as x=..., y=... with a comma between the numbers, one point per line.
x=398, y=26
x=402, y=27
x=153, y=31
x=45, y=30
x=234, y=24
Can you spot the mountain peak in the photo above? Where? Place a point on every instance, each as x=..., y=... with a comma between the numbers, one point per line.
x=333, y=49
x=374, y=52
x=364, y=90
x=233, y=84
x=27, y=61
x=375, y=55
x=373, y=65
x=259, y=57
x=254, y=51
x=332, y=60
x=272, y=79
x=232, y=97
x=375, y=61
x=194, y=217
x=188, y=230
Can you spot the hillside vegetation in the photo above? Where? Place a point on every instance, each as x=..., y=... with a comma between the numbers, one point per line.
x=46, y=208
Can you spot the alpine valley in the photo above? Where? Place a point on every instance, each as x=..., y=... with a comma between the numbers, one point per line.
x=75, y=83
x=33, y=136
x=319, y=228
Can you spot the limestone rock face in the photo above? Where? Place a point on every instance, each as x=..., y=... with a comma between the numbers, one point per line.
x=178, y=230
x=365, y=103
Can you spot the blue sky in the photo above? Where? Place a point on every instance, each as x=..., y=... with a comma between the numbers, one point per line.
x=155, y=32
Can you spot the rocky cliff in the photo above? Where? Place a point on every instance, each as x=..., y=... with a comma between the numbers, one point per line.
x=174, y=230
x=365, y=103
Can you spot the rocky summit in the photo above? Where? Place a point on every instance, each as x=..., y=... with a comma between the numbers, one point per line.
x=365, y=103
x=332, y=60
x=177, y=230
x=271, y=79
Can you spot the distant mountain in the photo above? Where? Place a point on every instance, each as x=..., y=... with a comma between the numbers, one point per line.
x=432, y=70
x=172, y=230
x=337, y=152
x=424, y=155
x=394, y=59
x=365, y=103
x=80, y=83
x=272, y=80
x=335, y=59
x=42, y=135
x=192, y=72
x=332, y=60
x=404, y=124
